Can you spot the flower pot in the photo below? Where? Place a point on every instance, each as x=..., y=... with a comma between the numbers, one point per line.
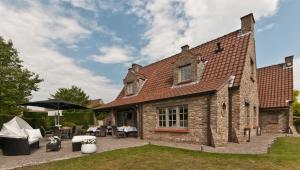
x=88, y=148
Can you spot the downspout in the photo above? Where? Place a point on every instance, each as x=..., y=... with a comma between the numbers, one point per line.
x=230, y=129
x=209, y=135
x=141, y=121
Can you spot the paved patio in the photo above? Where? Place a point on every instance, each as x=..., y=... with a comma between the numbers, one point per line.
x=41, y=156
x=258, y=145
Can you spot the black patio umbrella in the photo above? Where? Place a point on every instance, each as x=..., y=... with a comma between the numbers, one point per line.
x=54, y=104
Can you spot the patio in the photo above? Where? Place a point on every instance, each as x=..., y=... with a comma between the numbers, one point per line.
x=41, y=156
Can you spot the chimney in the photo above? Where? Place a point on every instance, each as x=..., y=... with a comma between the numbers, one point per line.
x=136, y=67
x=185, y=48
x=219, y=48
x=247, y=23
x=289, y=61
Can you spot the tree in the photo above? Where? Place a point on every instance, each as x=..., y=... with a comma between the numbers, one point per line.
x=296, y=104
x=74, y=95
x=16, y=82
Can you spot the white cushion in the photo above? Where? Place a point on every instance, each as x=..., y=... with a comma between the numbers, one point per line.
x=81, y=138
x=34, y=133
x=32, y=140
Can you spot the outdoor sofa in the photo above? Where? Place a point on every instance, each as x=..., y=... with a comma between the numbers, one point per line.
x=18, y=146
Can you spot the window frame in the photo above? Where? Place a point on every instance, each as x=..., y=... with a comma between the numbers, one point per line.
x=180, y=73
x=174, y=121
x=130, y=86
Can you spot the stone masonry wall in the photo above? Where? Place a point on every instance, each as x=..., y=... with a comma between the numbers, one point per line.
x=248, y=92
x=197, y=121
x=219, y=117
x=268, y=123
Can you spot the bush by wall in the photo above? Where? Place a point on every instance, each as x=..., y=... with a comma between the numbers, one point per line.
x=78, y=118
x=35, y=114
x=5, y=118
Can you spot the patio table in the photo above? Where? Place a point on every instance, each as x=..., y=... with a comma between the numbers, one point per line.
x=127, y=129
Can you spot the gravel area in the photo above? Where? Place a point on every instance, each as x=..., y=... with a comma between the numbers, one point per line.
x=40, y=155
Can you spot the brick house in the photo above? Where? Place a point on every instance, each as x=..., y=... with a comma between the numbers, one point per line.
x=275, y=86
x=204, y=95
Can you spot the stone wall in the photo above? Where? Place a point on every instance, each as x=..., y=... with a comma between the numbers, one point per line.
x=245, y=103
x=197, y=131
x=268, y=123
x=219, y=116
x=197, y=121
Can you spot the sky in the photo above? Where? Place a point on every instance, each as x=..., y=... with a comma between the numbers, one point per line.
x=92, y=43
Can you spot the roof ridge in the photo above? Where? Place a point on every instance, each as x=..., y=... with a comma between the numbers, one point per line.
x=198, y=46
x=270, y=66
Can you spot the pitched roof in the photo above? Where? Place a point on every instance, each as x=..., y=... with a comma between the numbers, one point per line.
x=159, y=75
x=275, y=86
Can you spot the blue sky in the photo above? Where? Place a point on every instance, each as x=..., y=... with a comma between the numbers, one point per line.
x=91, y=43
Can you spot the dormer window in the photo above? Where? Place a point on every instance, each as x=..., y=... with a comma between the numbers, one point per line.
x=133, y=81
x=130, y=88
x=185, y=73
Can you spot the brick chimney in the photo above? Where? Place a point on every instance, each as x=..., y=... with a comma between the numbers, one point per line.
x=185, y=48
x=136, y=67
x=289, y=61
x=247, y=23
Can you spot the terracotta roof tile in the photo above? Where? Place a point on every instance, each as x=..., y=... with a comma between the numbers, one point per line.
x=275, y=86
x=159, y=75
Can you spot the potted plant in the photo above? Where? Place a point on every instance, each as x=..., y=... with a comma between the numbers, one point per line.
x=88, y=146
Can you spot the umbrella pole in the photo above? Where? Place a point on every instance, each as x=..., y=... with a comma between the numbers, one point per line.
x=58, y=116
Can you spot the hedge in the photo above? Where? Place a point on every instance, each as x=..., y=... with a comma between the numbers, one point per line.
x=35, y=114
x=5, y=118
x=78, y=118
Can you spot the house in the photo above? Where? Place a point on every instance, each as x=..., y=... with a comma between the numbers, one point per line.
x=203, y=95
x=275, y=87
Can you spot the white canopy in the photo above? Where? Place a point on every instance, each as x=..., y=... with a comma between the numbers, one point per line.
x=15, y=128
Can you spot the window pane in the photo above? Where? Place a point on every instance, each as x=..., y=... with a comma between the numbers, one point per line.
x=185, y=73
x=162, y=118
x=183, y=116
x=172, y=117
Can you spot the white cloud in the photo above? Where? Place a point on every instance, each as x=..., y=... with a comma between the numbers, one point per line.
x=171, y=24
x=96, y=5
x=297, y=73
x=114, y=54
x=32, y=31
x=265, y=28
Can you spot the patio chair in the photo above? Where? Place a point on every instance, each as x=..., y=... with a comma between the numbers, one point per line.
x=56, y=131
x=117, y=133
x=102, y=131
x=45, y=132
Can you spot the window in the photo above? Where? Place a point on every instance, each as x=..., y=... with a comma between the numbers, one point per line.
x=183, y=116
x=162, y=118
x=173, y=117
x=129, y=88
x=274, y=119
x=185, y=73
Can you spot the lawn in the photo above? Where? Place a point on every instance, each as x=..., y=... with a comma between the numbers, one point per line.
x=285, y=154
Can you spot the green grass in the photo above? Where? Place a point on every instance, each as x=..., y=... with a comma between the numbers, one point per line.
x=285, y=154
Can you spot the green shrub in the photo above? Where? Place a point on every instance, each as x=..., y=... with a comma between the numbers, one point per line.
x=5, y=118
x=102, y=115
x=78, y=118
x=297, y=122
x=35, y=114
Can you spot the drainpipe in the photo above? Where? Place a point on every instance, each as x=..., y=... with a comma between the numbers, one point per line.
x=209, y=135
x=230, y=131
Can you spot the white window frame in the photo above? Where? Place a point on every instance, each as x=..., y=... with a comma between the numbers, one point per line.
x=185, y=73
x=180, y=120
x=129, y=88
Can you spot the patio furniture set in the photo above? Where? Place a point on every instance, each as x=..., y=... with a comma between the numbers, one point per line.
x=19, y=138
